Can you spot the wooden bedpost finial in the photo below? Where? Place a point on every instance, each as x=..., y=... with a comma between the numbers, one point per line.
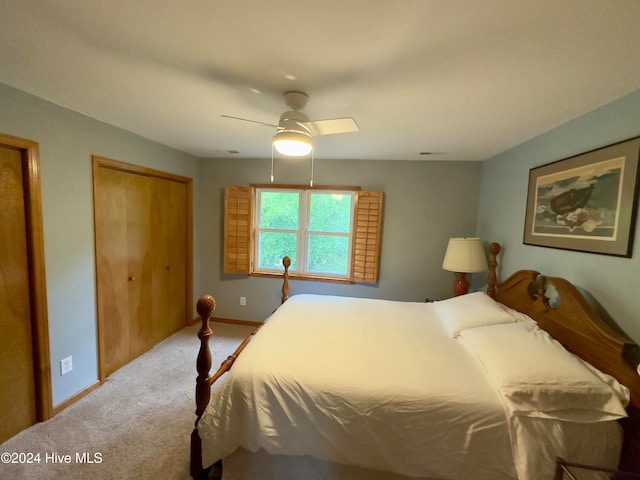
x=286, y=262
x=205, y=307
x=492, y=280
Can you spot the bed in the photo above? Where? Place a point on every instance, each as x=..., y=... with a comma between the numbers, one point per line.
x=400, y=390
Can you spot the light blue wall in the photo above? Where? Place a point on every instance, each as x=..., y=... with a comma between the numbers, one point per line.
x=67, y=141
x=425, y=203
x=612, y=281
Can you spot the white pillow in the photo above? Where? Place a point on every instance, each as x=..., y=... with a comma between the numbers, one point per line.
x=538, y=377
x=469, y=311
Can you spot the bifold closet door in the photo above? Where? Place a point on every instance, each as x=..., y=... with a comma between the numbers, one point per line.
x=142, y=248
x=142, y=261
x=112, y=253
x=167, y=262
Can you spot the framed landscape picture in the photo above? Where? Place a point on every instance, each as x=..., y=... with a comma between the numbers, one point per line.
x=587, y=202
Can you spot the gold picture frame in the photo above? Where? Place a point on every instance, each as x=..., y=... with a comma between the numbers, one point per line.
x=587, y=202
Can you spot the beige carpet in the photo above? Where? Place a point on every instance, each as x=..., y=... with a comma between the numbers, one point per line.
x=138, y=423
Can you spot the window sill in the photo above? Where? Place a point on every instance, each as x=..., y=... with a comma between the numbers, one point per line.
x=303, y=277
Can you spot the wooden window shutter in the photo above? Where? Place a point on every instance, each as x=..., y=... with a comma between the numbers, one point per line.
x=237, y=229
x=367, y=237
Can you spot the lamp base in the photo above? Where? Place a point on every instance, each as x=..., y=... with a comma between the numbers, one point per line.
x=460, y=286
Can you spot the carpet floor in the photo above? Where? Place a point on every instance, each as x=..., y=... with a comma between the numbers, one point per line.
x=136, y=425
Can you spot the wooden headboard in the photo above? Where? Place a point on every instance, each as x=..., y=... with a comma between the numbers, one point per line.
x=571, y=320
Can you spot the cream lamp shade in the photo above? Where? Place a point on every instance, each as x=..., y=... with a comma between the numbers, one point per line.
x=464, y=255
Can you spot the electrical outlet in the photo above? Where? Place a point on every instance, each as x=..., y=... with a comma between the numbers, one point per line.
x=243, y=301
x=66, y=365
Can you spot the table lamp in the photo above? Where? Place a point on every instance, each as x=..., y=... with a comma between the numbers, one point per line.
x=464, y=255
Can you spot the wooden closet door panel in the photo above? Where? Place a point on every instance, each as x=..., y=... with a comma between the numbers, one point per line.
x=169, y=257
x=161, y=265
x=17, y=395
x=175, y=235
x=113, y=269
x=141, y=248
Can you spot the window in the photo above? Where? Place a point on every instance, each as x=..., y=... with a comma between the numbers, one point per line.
x=312, y=227
x=327, y=233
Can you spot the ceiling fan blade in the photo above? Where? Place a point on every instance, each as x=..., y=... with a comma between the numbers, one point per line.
x=252, y=121
x=333, y=125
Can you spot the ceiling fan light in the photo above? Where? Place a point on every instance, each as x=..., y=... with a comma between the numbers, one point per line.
x=294, y=144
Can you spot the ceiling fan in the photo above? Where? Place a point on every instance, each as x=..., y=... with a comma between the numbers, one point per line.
x=294, y=131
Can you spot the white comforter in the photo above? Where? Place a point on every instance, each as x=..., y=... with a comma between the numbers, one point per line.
x=372, y=383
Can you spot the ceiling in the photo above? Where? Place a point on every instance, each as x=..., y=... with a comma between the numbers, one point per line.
x=459, y=79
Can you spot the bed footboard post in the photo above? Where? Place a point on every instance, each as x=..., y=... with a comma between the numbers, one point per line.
x=492, y=280
x=286, y=262
x=205, y=307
